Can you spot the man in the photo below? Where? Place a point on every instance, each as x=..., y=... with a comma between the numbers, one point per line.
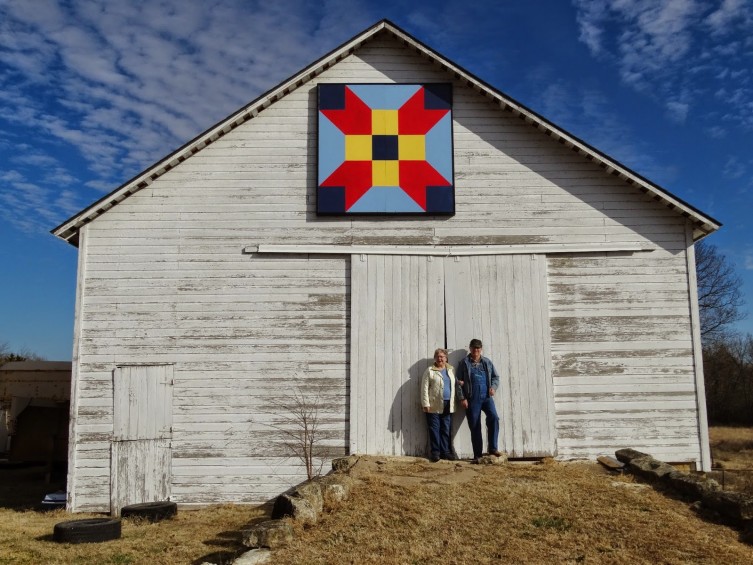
x=479, y=381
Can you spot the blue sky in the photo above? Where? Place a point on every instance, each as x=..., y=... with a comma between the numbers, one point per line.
x=92, y=92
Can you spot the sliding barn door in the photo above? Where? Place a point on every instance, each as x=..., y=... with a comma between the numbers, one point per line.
x=397, y=320
x=142, y=430
x=502, y=300
x=404, y=307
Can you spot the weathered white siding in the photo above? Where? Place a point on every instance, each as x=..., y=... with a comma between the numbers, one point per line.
x=164, y=280
x=623, y=357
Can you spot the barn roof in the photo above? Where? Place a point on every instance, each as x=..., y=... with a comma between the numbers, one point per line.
x=702, y=223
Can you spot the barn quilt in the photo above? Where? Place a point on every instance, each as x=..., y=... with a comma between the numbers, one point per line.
x=385, y=149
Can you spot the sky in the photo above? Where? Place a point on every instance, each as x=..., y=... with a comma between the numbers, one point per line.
x=92, y=92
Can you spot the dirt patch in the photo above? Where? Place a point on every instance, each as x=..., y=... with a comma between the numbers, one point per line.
x=411, y=471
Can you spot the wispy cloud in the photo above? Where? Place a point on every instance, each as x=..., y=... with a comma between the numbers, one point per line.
x=673, y=49
x=587, y=113
x=124, y=83
x=748, y=262
x=734, y=168
x=31, y=207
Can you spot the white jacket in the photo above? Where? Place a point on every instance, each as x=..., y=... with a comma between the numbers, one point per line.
x=432, y=389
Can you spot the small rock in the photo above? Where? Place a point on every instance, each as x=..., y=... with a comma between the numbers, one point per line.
x=254, y=557
x=336, y=487
x=491, y=460
x=336, y=492
x=344, y=464
x=270, y=533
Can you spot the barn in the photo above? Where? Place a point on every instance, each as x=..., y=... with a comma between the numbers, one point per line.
x=323, y=240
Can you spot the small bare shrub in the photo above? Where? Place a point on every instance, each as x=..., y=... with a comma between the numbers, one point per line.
x=300, y=425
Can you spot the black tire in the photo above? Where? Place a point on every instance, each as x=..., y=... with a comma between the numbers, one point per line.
x=89, y=530
x=152, y=511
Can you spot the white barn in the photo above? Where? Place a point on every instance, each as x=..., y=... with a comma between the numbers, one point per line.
x=208, y=287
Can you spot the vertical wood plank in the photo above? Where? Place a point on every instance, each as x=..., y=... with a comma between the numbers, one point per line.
x=695, y=322
x=368, y=376
x=357, y=350
x=376, y=423
x=396, y=374
x=76, y=374
x=406, y=338
x=545, y=356
x=504, y=267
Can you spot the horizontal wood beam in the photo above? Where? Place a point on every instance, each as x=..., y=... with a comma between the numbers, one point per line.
x=447, y=250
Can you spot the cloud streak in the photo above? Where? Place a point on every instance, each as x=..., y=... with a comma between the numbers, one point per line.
x=119, y=85
x=673, y=48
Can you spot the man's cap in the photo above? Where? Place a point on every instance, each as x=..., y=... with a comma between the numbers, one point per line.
x=475, y=343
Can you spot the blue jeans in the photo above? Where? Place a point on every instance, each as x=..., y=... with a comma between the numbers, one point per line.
x=439, y=431
x=476, y=405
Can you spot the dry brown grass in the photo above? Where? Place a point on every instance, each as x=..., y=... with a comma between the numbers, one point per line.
x=732, y=451
x=554, y=513
x=190, y=537
x=417, y=512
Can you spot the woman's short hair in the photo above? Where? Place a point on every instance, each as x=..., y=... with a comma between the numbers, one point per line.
x=440, y=350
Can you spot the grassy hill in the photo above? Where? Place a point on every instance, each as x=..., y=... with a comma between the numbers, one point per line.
x=419, y=512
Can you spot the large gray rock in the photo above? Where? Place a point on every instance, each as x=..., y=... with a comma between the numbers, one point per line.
x=298, y=508
x=304, y=503
x=649, y=468
x=270, y=533
x=311, y=491
x=691, y=485
x=627, y=455
x=736, y=507
x=335, y=487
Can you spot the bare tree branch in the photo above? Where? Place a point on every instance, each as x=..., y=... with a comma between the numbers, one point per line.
x=301, y=426
x=720, y=298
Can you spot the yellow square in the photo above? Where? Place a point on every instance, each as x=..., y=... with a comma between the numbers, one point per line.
x=385, y=173
x=411, y=147
x=384, y=122
x=358, y=148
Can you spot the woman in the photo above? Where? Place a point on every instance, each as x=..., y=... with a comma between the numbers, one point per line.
x=438, y=402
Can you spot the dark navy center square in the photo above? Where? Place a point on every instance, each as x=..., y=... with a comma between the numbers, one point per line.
x=384, y=148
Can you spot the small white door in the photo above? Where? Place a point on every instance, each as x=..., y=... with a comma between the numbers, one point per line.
x=142, y=430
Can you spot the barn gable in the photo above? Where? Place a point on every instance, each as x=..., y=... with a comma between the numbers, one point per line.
x=211, y=279
x=703, y=225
